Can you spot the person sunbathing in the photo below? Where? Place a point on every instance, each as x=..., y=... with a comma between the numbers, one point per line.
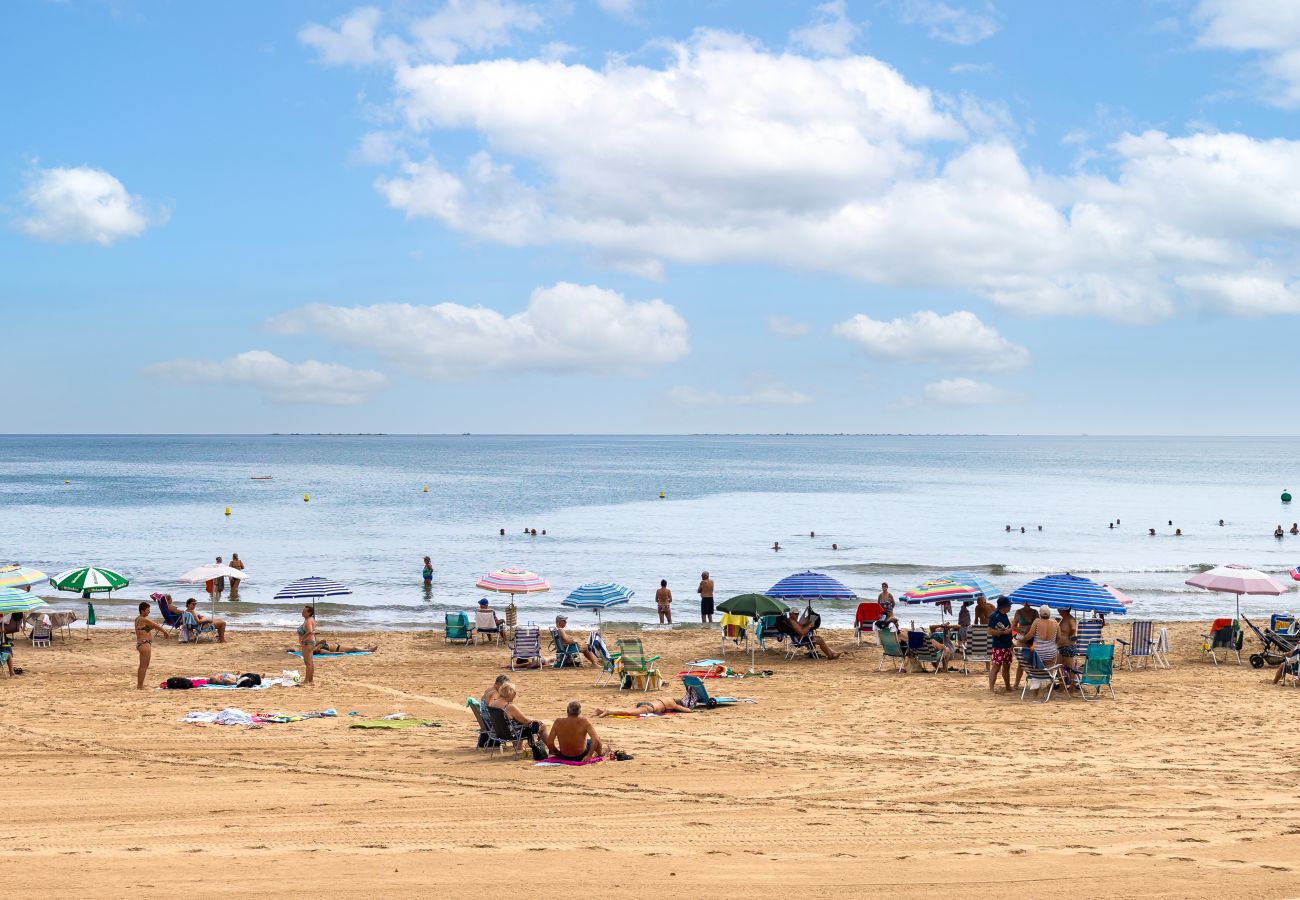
x=655, y=705
x=569, y=641
x=798, y=629
x=1291, y=663
x=191, y=607
x=323, y=647
x=573, y=738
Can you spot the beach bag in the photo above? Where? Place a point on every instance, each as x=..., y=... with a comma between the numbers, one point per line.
x=248, y=680
x=176, y=683
x=539, y=750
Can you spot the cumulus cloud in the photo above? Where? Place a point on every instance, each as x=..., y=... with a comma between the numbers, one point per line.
x=351, y=41
x=279, y=380
x=787, y=327
x=1268, y=28
x=830, y=32
x=565, y=328
x=758, y=394
x=964, y=392
x=957, y=340
x=82, y=204
x=955, y=24
x=727, y=152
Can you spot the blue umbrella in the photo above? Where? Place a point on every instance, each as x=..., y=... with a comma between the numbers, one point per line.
x=810, y=586
x=598, y=595
x=1068, y=592
x=312, y=588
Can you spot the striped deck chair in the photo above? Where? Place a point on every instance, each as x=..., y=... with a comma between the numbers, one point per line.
x=1098, y=668
x=890, y=648
x=1161, y=649
x=637, y=668
x=1038, y=676
x=486, y=740
x=922, y=652
x=1222, y=639
x=979, y=646
x=525, y=645
x=1087, y=634
x=196, y=629
x=565, y=654
x=608, y=661
x=1140, y=645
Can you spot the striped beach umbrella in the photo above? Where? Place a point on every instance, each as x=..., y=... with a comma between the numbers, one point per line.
x=598, y=595
x=943, y=590
x=17, y=576
x=1236, y=579
x=1068, y=592
x=13, y=600
x=810, y=586
x=312, y=588
x=513, y=581
x=89, y=580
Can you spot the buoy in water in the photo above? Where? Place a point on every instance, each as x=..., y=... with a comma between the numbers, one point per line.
x=227, y=510
x=662, y=495
x=306, y=498
x=1286, y=496
x=426, y=489
x=65, y=481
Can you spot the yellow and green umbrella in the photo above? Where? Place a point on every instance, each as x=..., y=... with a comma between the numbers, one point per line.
x=17, y=576
x=13, y=600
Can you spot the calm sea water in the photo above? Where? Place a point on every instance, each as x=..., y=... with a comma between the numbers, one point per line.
x=901, y=509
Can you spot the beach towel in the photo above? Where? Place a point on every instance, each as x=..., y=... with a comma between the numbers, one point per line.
x=287, y=678
x=396, y=723
x=298, y=653
x=556, y=761
x=234, y=716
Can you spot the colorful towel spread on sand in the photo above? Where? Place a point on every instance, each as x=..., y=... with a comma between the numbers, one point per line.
x=298, y=653
x=233, y=716
x=648, y=715
x=556, y=761
x=287, y=678
x=396, y=723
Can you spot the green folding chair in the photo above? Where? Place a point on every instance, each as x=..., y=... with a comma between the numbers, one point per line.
x=636, y=665
x=1097, y=670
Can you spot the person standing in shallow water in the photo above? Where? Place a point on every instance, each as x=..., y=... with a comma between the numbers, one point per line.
x=664, y=603
x=705, y=590
x=235, y=563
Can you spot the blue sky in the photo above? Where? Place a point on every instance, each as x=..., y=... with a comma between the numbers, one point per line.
x=653, y=216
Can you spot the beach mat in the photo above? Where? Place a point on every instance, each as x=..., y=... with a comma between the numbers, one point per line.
x=395, y=724
x=298, y=653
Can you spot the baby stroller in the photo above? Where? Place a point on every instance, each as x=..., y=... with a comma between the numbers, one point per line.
x=1276, y=646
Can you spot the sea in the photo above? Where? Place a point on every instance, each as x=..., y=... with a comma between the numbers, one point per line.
x=365, y=510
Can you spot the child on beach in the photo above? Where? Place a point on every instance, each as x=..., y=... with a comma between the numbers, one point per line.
x=144, y=629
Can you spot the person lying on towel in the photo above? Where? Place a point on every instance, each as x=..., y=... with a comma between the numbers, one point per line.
x=666, y=704
x=573, y=738
x=324, y=646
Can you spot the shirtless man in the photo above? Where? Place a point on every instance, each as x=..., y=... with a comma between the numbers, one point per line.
x=567, y=641
x=573, y=738
x=144, y=642
x=191, y=606
x=798, y=629
x=983, y=609
x=664, y=602
x=657, y=705
x=705, y=590
x=886, y=601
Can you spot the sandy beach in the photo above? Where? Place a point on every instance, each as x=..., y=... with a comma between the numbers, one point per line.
x=840, y=781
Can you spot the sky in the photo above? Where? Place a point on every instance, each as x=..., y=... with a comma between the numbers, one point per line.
x=650, y=216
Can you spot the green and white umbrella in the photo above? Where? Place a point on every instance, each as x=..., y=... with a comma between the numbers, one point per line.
x=89, y=580
x=13, y=600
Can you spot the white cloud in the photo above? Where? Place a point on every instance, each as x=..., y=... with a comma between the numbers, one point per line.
x=787, y=327
x=947, y=22
x=1269, y=28
x=958, y=340
x=830, y=33
x=281, y=381
x=964, y=392
x=565, y=328
x=759, y=394
x=350, y=42
x=1247, y=294
x=972, y=68
x=622, y=9
x=82, y=204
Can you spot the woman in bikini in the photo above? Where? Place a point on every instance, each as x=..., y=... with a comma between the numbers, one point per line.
x=645, y=706
x=307, y=641
x=144, y=629
x=324, y=646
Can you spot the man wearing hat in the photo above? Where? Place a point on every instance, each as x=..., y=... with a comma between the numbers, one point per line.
x=486, y=612
x=572, y=640
x=1002, y=641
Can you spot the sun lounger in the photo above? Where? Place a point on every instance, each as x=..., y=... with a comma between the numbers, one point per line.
x=1098, y=667
x=698, y=695
x=456, y=627
x=1222, y=639
x=526, y=645
x=1140, y=645
x=195, y=630
x=565, y=654
x=1039, y=676
x=890, y=648
x=637, y=669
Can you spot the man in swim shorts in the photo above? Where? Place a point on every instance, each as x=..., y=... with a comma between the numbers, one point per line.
x=573, y=738
x=1002, y=641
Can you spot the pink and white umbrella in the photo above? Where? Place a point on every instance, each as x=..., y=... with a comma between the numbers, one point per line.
x=1119, y=595
x=513, y=581
x=1236, y=579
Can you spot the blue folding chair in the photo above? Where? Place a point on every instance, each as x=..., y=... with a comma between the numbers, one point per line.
x=565, y=654
x=456, y=628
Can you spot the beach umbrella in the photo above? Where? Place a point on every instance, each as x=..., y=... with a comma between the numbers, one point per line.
x=313, y=587
x=13, y=600
x=810, y=586
x=17, y=576
x=211, y=572
x=957, y=587
x=512, y=581
x=598, y=595
x=1122, y=597
x=1236, y=579
x=1069, y=592
x=1295, y=574
x=755, y=606
x=89, y=580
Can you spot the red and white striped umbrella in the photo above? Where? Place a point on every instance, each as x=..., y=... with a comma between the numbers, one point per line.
x=513, y=581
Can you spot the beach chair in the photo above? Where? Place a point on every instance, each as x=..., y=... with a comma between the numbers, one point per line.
x=456, y=628
x=1139, y=646
x=171, y=616
x=1098, y=667
x=698, y=695
x=503, y=729
x=485, y=626
x=764, y=627
x=922, y=652
x=1087, y=634
x=890, y=648
x=735, y=631
x=979, y=646
x=565, y=654
x=526, y=645
x=608, y=661
x=6, y=651
x=865, y=619
x=41, y=635
x=636, y=667
x=1039, y=676
x=486, y=740
x=803, y=643
x=1221, y=639
x=1284, y=625
x=1160, y=651
x=196, y=630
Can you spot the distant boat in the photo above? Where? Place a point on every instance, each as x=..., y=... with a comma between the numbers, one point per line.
x=262, y=477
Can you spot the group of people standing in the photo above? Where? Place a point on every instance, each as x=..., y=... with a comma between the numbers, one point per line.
x=664, y=600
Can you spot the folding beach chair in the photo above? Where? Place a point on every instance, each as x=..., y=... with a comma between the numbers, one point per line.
x=486, y=740
x=979, y=646
x=1222, y=638
x=1140, y=645
x=456, y=628
x=764, y=627
x=485, y=626
x=608, y=661
x=1087, y=634
x=6, y=651
x=1098, y=667
x=865, y=619
x=1160, y=650
x=1284, y=625
x=698, y=695
x=195, y=629
x=171, y=616
x=565, y=654
x=503, y=729
x=922, y=652
x=890, y=648
x=1038, y=676
x=526, y=645
x=735, y=631
x=637, y=668
x=802, y=643
x=41, y=635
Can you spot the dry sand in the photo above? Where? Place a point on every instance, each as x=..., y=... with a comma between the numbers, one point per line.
x=841, y=781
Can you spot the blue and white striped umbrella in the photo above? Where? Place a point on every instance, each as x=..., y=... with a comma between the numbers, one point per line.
x=598, y=595
x=810, y=586
x=13, y=600
x=1068, y=592
x=312, y=588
